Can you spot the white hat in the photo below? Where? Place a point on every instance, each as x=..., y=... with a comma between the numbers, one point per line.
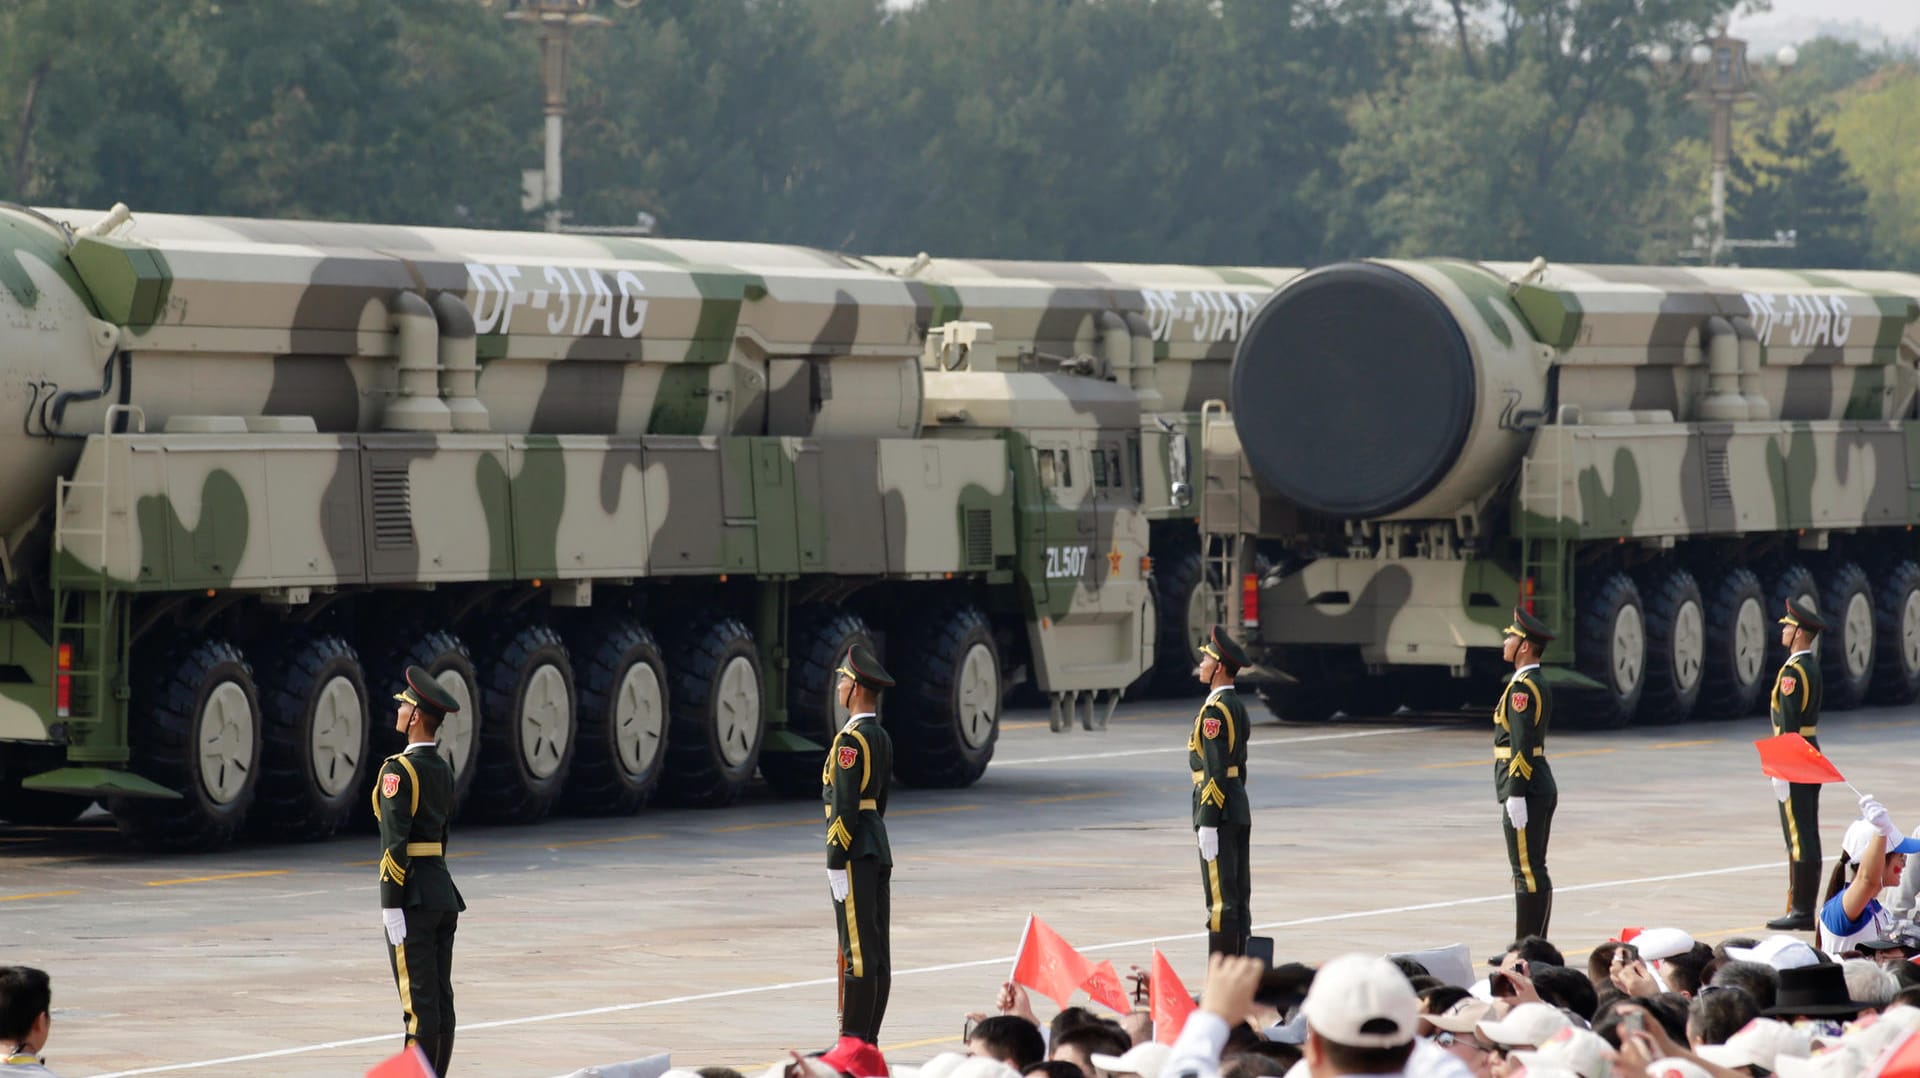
x=1674, y=1067
x=1860, y=832
x=1529, y=1025
x=1144, y=1059
x=942, y=1065
x=983, y=1067
x=1842, y=1061
x=1585, y=1054
x=1758, y=1044
x=1462, y=1017
x=1363, y=1001
x=1780, y=952
x=1658, y=943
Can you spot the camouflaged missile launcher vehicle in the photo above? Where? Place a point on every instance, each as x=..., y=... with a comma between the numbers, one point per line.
x=1652, y=460
x=629, y=500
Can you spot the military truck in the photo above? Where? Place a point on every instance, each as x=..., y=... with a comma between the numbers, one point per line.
x=1652, y=460
x=628, y=500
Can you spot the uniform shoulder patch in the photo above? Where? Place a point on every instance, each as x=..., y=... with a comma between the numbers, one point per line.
x=1787, y=683
x=1210, y=726
x=390, y=784
x=849, y=756
x=1521, y=700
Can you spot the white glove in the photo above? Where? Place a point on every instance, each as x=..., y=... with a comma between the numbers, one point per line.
x=837, y=882
x=1782, y=789
x=1517, y=812
x=396, y=922
x=1209, y=842
x=1875, y=813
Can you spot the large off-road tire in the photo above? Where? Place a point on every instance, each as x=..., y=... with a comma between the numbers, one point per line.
x=1791, y=580
x=446, y=657
x=1183, y=609
x=526, y=679
x=718, y=719
x=1734, y=674
x=622, y=716
x=1676, y=645
x=35, y=808
x=1847, y=647
x=314, y=764
x=944, y=713
x=1610, y=646
x=1316, y=694
x=822, y=636
x=1896, y=615
x=193, y=727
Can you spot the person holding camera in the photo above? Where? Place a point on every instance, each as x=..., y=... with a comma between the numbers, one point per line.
x=1522, y=779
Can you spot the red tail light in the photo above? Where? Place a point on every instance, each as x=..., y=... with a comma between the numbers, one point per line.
x=1250, y=601
x=63, y=681
x=1526, y=594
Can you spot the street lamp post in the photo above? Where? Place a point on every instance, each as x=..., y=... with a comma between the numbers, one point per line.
x=556, y=21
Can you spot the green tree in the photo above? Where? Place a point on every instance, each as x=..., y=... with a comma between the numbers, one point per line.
x=1878, y=128
x=1800, y=181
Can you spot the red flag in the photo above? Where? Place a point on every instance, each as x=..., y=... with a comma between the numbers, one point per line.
x=411, y=1063
x=1048, y=964
x=1901, y=1059
x=1792, y=758
x=1169, y=1000
x=1103, y=984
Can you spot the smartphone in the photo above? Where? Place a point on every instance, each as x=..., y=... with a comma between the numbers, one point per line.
x=1634, y=1020
x=1261, y=947
x=1500, y=984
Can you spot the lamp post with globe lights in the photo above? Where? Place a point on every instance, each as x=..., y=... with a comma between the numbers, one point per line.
x=1717, y=68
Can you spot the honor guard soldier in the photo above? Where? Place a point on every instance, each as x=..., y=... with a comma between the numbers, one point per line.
x=853, y=783
x=1522, y=778
x=1796, y=710
x=420, y=907
x=1222, y=822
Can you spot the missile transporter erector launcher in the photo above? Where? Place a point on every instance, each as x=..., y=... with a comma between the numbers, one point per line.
x=1652, y=460
x=629, y=500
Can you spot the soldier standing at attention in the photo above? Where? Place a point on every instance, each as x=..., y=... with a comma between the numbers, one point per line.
x=420, y=907
x=1222, y=821
x=853, y=783
x=1522, y=778
x=1796, y=710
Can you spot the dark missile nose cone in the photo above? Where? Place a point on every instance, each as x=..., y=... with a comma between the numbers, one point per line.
x=1353, y=391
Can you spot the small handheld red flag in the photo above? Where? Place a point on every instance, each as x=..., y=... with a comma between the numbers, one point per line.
x=1169, y=1002
x=411, y=1063
x=1792, y=758
x=1103, y=984
x=1901, y=1059
x=1048, y=964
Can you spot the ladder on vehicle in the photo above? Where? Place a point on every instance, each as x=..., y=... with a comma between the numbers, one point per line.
x=1540, y=523
x=82, y=600
x=1220, y=554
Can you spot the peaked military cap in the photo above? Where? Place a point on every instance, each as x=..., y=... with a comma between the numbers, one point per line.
x=423, y=691
x=1223, y=648
x=1801, y=615
x=1528, y=628
x=865, y=670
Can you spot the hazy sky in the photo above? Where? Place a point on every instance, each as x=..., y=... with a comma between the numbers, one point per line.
x=1895, y=19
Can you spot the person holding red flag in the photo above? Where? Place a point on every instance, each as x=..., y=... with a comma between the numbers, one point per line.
x=1872, y=856
x=1222, y=819
x=1796, y=710
x=1522, y=779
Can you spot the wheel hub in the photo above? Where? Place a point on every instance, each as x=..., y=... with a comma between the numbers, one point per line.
x=1689, y=645
x=339, y=732
x=456, y=733
x=1910, y=631
x=639, y=719
x=1629, y=649
x=736, y=710
x=226, y=743
x=979, y=692
x=1750, y=640
x=545, y=712
x=1859, y=630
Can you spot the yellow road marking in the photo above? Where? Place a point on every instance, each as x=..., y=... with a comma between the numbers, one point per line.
x=1067, y=797
x=40, y=894
x=222, y=876
x=731, y=828
x=449, y=857
x=1459, y=763
x=1684, y=744
x=601, y=841
x=1344, y=774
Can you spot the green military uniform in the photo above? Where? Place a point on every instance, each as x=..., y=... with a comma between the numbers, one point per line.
x=1795, y=708
x=413, y=799
x=1520, y=770
x=1217, y=758
x=853, y=782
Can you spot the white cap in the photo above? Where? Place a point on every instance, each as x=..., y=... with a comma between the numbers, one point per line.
x=1860, y=832
x=1363, y=1001
x=1529, y=1025
x=1585, y=1054
x=1842, y=1061
x=1658, y=943
x=942, y=1065
x=1780, y=952
x=984, y=1067
x=1758, y=1044
x=1143, y=1059
x=1673, y=1067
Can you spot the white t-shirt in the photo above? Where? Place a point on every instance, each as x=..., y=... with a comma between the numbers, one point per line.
x=1840, y=933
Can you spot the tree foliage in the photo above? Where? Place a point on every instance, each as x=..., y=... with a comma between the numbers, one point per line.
x=1799, y=181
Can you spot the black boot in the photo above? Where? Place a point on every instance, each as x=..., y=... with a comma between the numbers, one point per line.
x=857, y=1008
x=1530, y=909
x=429, y=1045
x=443, y=1059
x=1803, y=883
x=1224, y=943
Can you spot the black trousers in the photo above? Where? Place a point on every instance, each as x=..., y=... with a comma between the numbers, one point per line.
x=1228, y=883
x=423, y=971
x=1800, y=821
x=866, y=955
x=1527, y=856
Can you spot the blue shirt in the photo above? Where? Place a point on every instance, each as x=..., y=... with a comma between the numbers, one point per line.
x=1840, y=933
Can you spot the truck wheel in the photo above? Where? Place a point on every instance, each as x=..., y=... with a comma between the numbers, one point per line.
x=1896, y=610
x=1847, y=647
x=446, y=657
x=1795, y=581
x=313, y=760
x=944, y=713
x=1610, y=645
x=718, y=722
x=1676, y=646
x=822, y=636
x=1184, y=608
x=622, y=684
x=1733, y=677
x=194, y=727
x=527, y=686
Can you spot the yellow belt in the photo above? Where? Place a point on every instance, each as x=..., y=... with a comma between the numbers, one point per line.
x=1505, y=752
x=867, y=804
x=1201, y=776
x=426, y=849
x=1809, y=731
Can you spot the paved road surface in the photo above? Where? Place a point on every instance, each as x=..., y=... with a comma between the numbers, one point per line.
x=708, y=932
